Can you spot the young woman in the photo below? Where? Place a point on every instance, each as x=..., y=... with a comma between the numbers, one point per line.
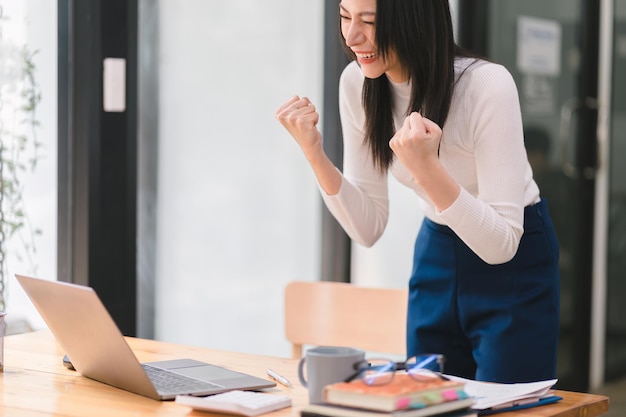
x=484, y=288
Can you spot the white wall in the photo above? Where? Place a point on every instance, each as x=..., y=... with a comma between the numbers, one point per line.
x=388, y=263
x=33, y=23
x=238, y=208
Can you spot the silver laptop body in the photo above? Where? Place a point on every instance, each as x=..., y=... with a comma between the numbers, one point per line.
x=85, y=330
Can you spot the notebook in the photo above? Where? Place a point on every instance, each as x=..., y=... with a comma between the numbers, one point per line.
x=85, y=330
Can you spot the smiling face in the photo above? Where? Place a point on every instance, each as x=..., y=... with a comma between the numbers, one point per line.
x=358, y=27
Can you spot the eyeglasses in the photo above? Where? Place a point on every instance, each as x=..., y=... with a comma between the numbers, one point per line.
x=381, y=371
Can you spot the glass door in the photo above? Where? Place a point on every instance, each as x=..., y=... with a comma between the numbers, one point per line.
x=551, y=50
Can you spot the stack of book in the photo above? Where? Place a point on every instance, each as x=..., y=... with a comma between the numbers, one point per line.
x=402, y=397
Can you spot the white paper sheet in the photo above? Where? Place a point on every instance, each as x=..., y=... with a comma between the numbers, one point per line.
x=489, y=394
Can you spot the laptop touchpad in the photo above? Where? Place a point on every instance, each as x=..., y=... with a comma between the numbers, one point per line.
x=197, y=369
x=207, y=372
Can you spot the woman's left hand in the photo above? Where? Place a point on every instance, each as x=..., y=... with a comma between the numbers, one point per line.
x=416, y=144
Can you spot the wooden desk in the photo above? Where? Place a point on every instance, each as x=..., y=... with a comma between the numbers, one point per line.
x=35, y=383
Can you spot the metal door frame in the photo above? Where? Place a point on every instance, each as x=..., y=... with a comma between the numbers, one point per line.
x=601, y=218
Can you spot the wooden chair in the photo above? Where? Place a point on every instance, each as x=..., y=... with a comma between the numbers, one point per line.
x=327, y=313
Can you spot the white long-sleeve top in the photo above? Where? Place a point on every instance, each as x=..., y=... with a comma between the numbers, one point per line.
x=482, y=148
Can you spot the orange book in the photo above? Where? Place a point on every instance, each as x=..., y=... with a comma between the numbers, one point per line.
x=402, y=393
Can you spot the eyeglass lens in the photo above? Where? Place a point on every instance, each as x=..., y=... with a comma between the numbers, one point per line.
x=378, y=371
x=381, y=371
x=433, y=362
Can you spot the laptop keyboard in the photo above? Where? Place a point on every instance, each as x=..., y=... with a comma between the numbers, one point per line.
x=169, y=382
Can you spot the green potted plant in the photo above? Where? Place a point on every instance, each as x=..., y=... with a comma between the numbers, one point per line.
x=20, y=150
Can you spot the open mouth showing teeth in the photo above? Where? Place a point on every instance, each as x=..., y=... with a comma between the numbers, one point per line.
x=367, y=56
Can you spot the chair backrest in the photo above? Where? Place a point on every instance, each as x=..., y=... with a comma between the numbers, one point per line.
x=327, y=313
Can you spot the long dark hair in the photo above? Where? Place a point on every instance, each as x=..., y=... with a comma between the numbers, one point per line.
x=420, y=33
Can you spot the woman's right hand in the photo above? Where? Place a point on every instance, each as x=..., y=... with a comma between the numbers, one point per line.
x=299, y=116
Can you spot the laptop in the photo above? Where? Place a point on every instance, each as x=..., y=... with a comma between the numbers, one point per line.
x=97, y=349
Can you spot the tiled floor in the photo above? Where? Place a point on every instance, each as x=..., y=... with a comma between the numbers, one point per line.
x=616, y=391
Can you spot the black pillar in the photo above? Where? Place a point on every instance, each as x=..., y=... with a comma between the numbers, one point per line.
x=335, y=243
x=97, y=154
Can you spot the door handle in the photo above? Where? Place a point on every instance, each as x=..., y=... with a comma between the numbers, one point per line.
x=568, y=110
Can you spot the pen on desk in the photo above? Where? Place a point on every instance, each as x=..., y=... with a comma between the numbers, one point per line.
x=279, y=378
